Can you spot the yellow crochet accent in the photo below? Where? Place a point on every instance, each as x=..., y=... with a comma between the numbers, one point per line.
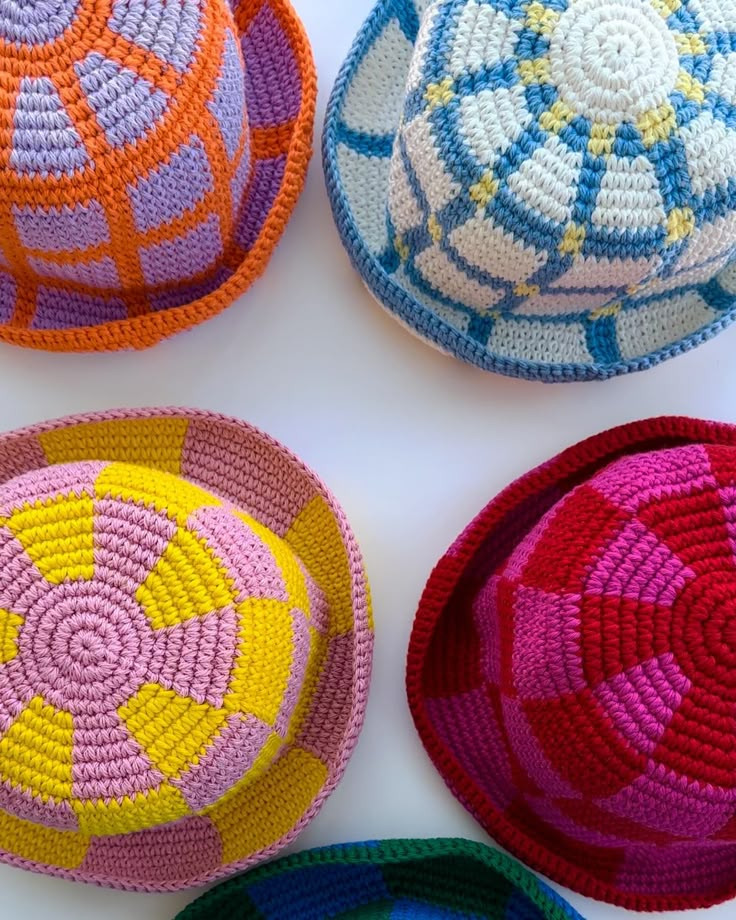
x=149, y=809
x=173, y=730
x=537, y=70
x=402, y=248
x=526, y=290
x=164, y=492
x=690, y=44
x=612, y=309
x=36, y=751
x=680, y=224
x=315, y=538
x=265, y=651
x=63, y=849
x=157, y=443
x=540, y=19
x=58, y=535
x=657, y=124
x=602, y=136
x=10, y=623
x=666, y=8
x=187, y=581
x=434, y=228
x=573, y=240
x=273, y=805
x=690, y=87
x=485, y=190
x=559, y=116
x=439, y=94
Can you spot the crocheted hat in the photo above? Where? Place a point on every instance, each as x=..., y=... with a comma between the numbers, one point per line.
x=185, y=647
x=572, y=669
x=393, y=878
x=544, y=189
x=151, y=152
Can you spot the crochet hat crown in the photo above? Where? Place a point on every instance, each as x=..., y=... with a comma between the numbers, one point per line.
x=154, y=645
x=562, y=156
x=124, y=157
x=572, y=669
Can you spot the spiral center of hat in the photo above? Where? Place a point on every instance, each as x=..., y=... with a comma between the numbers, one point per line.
x=36, y=22
x=88, y=646
x=613, y=61
x=704, y=633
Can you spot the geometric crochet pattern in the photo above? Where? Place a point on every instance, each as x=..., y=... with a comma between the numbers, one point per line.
x=179, y=650
x=444, y=878
x=183, y=124
x=575, y=653
x=557, y=178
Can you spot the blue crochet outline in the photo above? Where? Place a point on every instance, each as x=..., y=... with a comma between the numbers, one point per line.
x=419, y=317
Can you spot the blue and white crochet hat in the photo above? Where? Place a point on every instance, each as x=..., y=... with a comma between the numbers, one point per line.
x=544, y=188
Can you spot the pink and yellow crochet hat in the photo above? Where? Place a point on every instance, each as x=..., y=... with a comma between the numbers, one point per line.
x=151, y=153
x=185, y=647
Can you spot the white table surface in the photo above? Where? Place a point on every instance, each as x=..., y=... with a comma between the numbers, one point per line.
x=412, y=443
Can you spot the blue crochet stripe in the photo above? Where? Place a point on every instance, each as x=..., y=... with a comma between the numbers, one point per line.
x=378, y=270
x=369, y=145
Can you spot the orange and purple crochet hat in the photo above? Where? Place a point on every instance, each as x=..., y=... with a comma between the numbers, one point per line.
x=150, y=156
x=185, y=647
x=572, y=668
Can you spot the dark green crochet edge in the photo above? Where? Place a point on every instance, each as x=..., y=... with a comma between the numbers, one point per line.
x=381, y=853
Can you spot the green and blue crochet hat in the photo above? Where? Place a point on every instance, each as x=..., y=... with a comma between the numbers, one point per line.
x=542, y=188
x=397, y=879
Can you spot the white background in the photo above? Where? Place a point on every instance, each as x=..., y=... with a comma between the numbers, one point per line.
x=412, y=443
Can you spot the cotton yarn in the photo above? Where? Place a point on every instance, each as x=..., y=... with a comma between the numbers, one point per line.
x=185, y=647
x=571, y=668
x=544, y=188
x=150, y=155
x=451, y=879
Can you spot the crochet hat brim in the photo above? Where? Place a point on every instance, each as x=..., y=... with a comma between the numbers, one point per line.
x=244, y=466
x=456, y=878
x=361, y=124
x=280, y=98
x=447, y=693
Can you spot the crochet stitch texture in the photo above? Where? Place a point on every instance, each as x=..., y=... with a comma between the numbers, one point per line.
x=185, y=647
x=445, y=878
x=542, y=187
x=150, y=154
x=571, y=668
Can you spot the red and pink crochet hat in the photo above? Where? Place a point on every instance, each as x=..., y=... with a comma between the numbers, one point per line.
x=572, y=668
x=185, y=647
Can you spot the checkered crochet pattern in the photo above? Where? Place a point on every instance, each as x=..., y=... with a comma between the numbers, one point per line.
x=150, y=154
x=546, y=188
x=184, y=647
x=571, y=669
x=392, y=880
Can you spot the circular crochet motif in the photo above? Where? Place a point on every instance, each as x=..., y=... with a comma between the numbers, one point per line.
x=595, y=606
x=544, y=188
x=583, y=150
x=131, y=196
x=131, y=656
x=612, y=62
